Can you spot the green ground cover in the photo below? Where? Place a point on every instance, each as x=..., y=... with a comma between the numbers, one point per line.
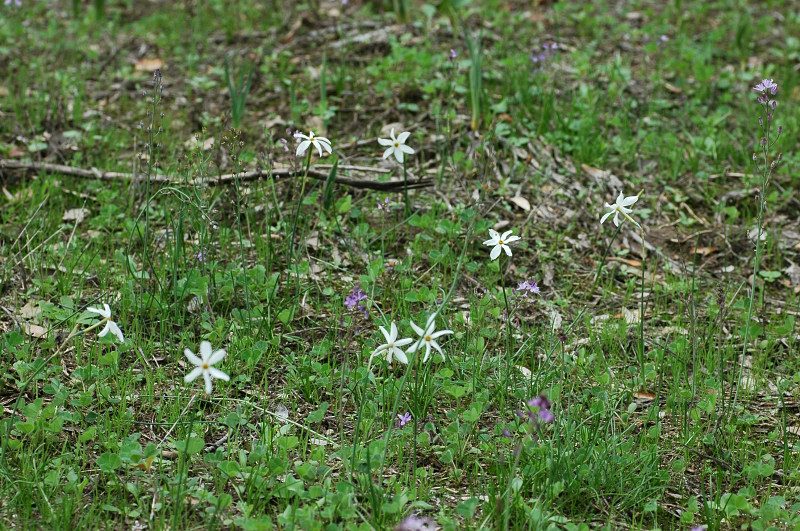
x=209, y=322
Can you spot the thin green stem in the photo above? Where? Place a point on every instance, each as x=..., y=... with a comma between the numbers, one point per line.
x=405, y=189
x=641, y=313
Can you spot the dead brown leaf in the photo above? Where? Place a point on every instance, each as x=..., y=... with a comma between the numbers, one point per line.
x=29, y=311
x=75, y=214
x=148, y=64
x=35, y=330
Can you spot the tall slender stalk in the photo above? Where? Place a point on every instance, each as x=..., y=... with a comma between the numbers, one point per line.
x=764, y=173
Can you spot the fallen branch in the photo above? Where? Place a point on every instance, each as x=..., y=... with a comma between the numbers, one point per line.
x=253, y=175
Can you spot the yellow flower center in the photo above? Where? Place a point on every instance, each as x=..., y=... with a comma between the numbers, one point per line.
x=206, y=366
x=396, y=144
x=499, y=242
x=427, y=338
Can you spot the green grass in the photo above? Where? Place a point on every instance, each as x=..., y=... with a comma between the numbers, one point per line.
x=667, y=421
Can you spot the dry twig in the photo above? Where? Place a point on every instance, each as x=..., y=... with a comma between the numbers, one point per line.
x=230, y=178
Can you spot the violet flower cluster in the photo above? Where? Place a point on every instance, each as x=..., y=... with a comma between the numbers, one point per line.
x=537, y=413
x=767, y=88
x=547, y=52
x=529, y=288
x=354, y=298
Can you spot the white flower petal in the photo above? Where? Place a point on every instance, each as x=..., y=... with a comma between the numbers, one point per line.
x=401, y=356
x=112, y=326
x=505, y=235
x=403, y=137
x=378, y=351
x=417, y=330
x=493, y=241
x=495, y=252
x=386, y=334
x=494, y=234
x=318, y=146
x=511, y=239
x=385, y=142
x=406, y=149
x=403, y=342
x=205, y=351
x=398, y=155
x=218, y=374
x=216, y=357
x=616, y=219
x=507, y=249
x=427, y=352
x=441, y=333
x=604, y=218
x=302, y=147
x=105, y=312
x=207, y=378
x=388, y=152
x=194, y=360
x=394, y=333
x=628, y=201
x=192, y=376
x=105, y=329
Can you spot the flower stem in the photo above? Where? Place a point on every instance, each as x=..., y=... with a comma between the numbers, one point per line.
x=641, y=313
x=294, y=228
x=601, y=264
x=508, y=325
x=405, y=189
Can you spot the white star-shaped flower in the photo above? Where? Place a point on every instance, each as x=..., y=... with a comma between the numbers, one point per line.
x=392, y=346
x=621, y=207
x=396, y=145
x=428, y=338
x=500, y=242
x=203, y=365
x=318, y=142
x=111, y=326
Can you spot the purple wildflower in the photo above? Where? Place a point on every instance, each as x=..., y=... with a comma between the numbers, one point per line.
x=766, y=84
x=384, y=206
x=402, y=420
x=201, y=255
x=284, y=143
x=453, y=54
x=698, y=528
x=17, y=3
x=542, y=411
x=354, y=297
x=529, y=287
x=416, y=523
